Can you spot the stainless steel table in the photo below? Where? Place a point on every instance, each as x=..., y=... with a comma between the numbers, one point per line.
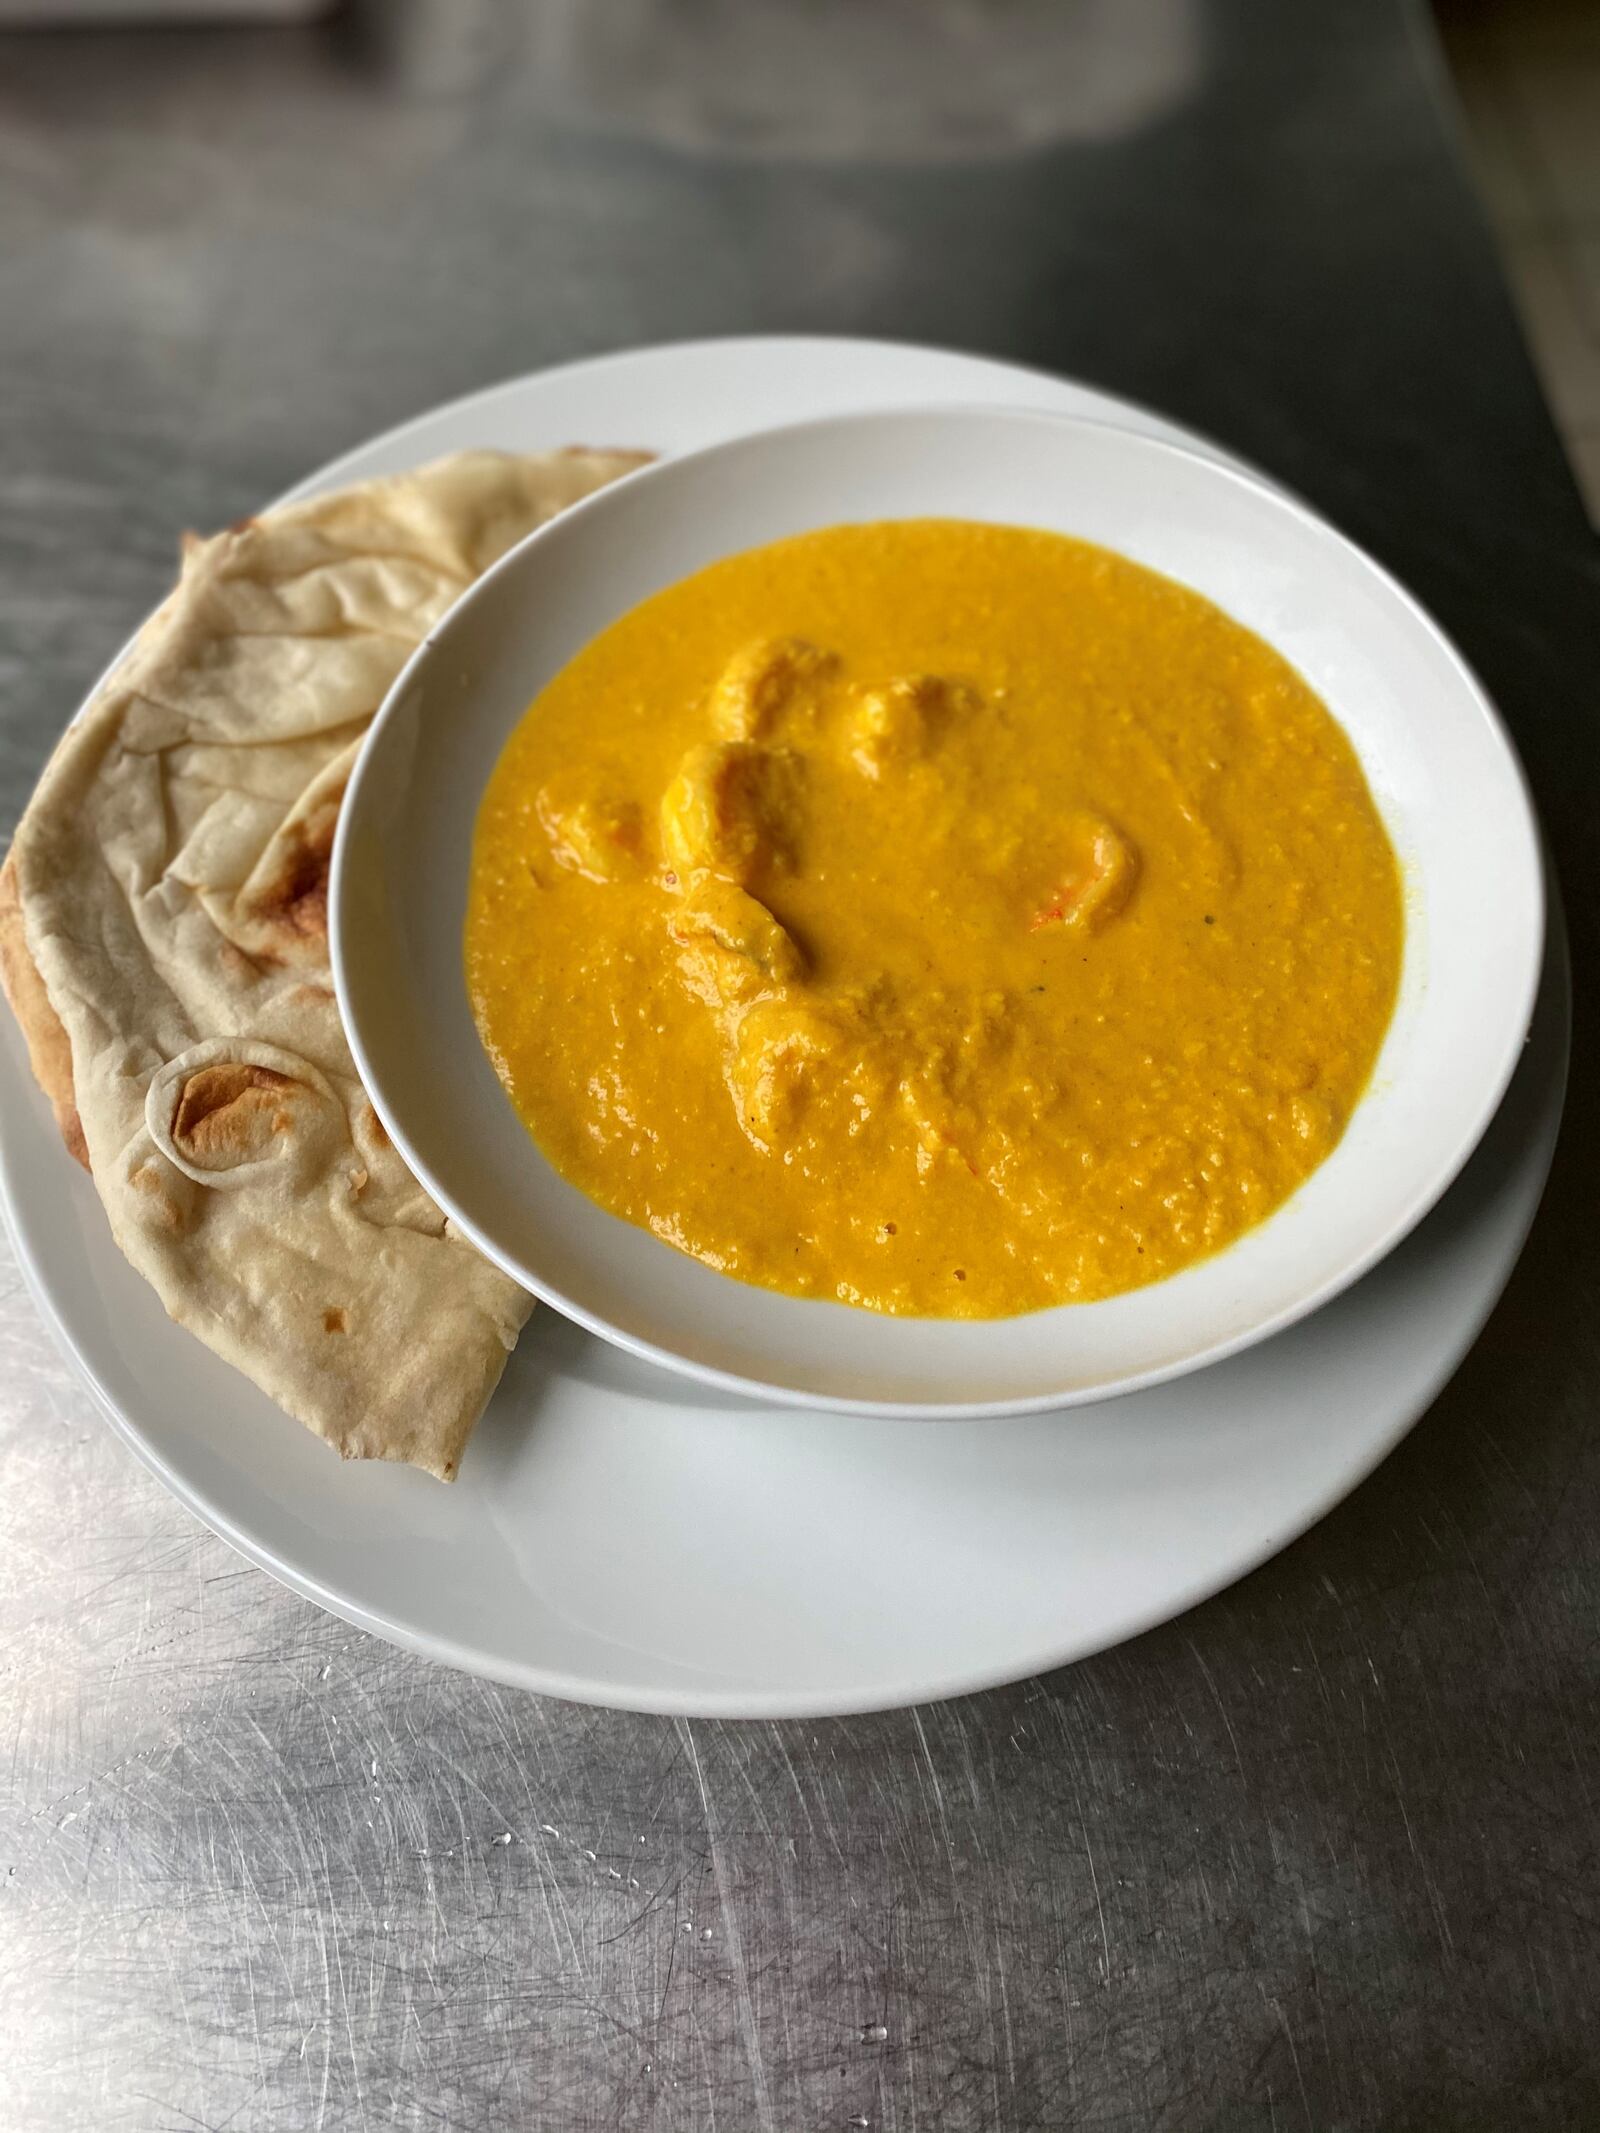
x=1321, y=1855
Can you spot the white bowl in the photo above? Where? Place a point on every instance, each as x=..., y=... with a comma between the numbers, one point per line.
x=1439, y=763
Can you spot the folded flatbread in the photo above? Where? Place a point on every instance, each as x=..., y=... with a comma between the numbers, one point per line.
x=163, y=943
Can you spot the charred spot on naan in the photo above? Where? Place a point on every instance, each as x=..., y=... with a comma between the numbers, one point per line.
x=232, y=1109
x=237, y=964
x=165, y=1209
x=283, y=908
x=299, y=897
x=231, y=1112
x=276, y=916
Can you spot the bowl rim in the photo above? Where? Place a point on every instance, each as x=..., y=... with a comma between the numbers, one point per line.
x=610, y=499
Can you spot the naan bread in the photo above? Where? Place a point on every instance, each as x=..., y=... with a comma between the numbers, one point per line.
x=163, y=943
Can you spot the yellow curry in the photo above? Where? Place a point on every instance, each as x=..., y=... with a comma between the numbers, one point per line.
x=945, y=918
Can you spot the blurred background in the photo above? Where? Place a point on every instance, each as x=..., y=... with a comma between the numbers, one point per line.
x=912, y=82
x=1527, y=75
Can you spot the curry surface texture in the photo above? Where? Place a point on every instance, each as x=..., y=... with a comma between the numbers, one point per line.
x=945, y=918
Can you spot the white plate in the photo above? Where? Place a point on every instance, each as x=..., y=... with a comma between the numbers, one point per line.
x=614, y=1538
x=1441, y=769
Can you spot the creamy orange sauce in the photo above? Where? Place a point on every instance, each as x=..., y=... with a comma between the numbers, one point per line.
x=945, y=918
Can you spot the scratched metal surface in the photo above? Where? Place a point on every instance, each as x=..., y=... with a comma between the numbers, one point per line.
x=1322, y=1855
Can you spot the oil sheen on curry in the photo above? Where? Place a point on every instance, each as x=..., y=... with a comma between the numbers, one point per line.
x=944, y=918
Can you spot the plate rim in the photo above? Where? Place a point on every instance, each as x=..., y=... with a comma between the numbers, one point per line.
x=745, y=1702
x=334, y=471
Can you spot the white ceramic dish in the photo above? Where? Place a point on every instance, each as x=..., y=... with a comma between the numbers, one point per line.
x=1442, y=769
x=621, y=1538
